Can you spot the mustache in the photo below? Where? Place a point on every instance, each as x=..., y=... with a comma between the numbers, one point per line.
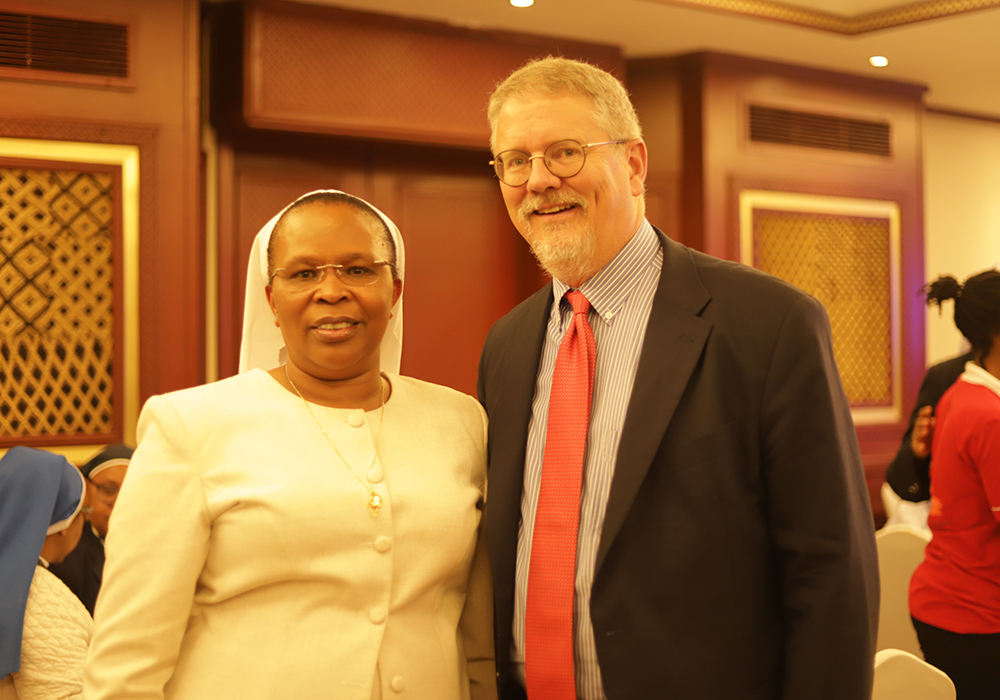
x=533, y=204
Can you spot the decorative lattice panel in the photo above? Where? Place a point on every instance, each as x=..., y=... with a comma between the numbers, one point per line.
x=56, y=303
x=844, y=262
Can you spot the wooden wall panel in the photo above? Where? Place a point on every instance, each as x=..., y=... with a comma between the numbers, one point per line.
x=659, y=101
x=325, y=70
x=461, y=274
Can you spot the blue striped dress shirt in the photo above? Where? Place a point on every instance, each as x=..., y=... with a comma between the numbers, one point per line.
x=621, y=296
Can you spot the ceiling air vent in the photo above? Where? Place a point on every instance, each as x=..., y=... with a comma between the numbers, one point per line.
x=818, y=131
x=63, y=45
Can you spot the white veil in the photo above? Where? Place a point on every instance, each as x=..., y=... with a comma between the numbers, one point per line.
x=262, y=345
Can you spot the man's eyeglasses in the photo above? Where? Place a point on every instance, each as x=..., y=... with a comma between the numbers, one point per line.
x=303, y=278
x=563, y=159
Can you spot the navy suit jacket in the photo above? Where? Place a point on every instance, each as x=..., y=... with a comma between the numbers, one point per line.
x=737, y=557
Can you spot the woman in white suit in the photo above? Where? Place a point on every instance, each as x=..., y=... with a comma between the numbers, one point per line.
x=309, y=528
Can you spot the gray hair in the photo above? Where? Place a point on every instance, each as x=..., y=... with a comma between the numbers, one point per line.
x=613, y=111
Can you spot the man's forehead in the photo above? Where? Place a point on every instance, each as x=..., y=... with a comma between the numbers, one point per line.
x=537, y=116
x=543, y=101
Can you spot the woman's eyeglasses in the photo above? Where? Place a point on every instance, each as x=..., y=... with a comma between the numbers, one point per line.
x=303, y=278
x=106, y=493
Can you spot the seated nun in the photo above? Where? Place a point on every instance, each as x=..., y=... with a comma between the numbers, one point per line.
x=82, y=570
x=44, y=628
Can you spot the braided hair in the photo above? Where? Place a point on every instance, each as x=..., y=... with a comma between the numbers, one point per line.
x=977, y=306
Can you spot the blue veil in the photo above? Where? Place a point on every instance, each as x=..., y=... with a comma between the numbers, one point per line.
x=40, y=494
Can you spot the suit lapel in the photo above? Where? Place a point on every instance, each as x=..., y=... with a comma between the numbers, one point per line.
x=512, y=391
x=675, y=337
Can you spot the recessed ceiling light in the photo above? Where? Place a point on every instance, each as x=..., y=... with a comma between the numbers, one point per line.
x=879, y=61
x=522, y=3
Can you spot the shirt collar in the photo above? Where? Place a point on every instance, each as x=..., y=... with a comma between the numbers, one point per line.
x=974, y=374
x=610, y=287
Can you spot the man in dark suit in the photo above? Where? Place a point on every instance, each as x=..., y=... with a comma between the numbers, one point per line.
x=724, y=546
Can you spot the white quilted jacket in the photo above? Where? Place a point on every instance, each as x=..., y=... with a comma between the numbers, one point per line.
x=56, y=633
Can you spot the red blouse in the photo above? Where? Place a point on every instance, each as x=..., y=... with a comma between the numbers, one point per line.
x=957, y=587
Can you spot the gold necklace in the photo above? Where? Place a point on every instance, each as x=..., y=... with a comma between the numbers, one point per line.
x=374, y=500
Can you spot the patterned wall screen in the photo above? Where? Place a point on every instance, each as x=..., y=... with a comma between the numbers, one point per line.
x=57, y=305
x=847, y=262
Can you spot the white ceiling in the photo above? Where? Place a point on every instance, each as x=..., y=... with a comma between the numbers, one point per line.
x=957, y=57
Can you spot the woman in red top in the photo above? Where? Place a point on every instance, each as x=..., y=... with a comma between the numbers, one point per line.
x=955, y=592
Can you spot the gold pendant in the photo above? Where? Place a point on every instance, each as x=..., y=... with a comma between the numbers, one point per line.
x=374, y=501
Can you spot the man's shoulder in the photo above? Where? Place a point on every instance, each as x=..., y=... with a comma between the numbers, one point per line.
x=528, y=311
x=420, y=393
x=727, y=280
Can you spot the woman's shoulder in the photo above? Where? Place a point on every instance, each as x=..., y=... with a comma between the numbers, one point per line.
x=411, y=388
x=419, y=395
x=53, y=609
x=233, y=392
x=57, y=630
x=971, y=403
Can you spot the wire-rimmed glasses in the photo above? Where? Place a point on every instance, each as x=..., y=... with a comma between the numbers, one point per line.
x=303, y=278
x=106, y=493
x=563, y=159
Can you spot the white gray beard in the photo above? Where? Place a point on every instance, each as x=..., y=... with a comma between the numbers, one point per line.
x=567, y=258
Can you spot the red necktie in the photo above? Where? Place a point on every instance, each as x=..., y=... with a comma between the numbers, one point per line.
x=548, y=644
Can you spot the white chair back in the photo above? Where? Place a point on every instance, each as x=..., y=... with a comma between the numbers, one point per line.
x=902, y=676
x=900, y=512
x=900, y=551
x=889, y=500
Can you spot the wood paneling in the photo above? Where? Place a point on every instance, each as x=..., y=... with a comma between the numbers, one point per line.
x=160, y=116
x=462, y=273
x=324, y=70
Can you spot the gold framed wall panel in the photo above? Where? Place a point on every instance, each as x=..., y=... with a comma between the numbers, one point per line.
x=846, y=253
x=60, y=202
